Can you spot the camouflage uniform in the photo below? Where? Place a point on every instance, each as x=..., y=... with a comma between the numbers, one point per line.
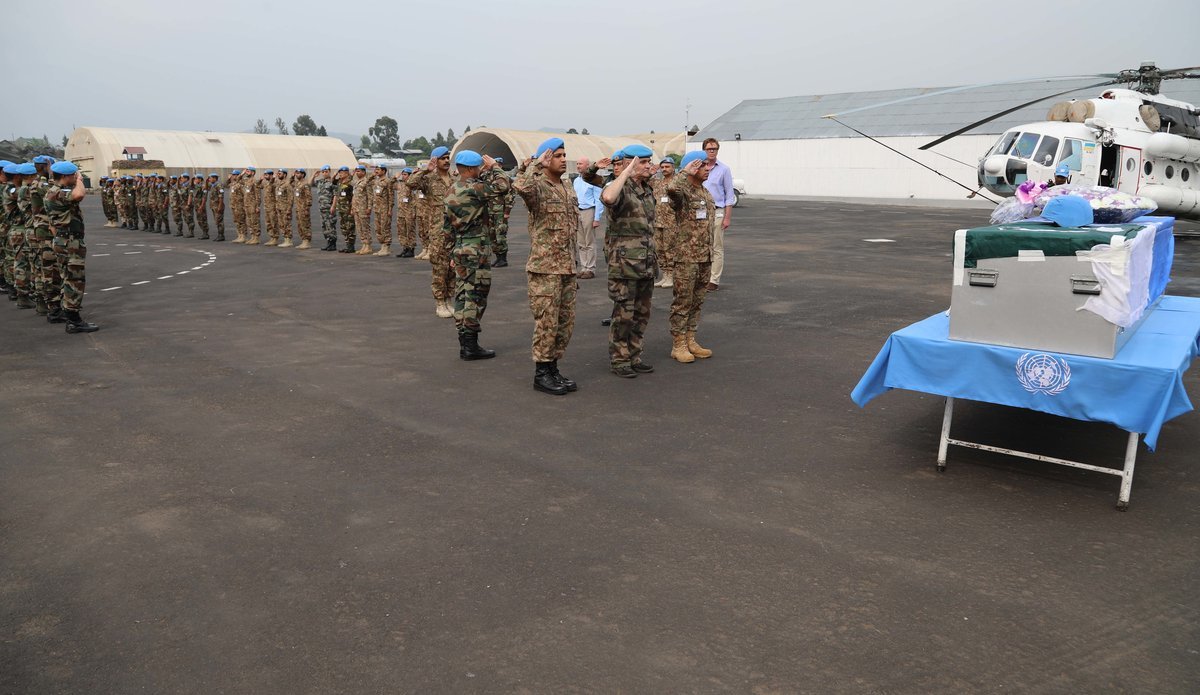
x=143, y=203
x=325, y=194
x=283, y=210
x=66, y=221
x=629, y=249
x=405, y=209
x=199, y=206
x=20, y=238
x=164, y=207
x=8, y=210
x=345, y=201
x=361, y=207
x=176, y=202
x=152, y=204
x=40, y=240
x=237, y=201
x=501, y=207
x=107, y=202
x=664, y=221
x=551, y=265
x=216, y=203
x=251, y=207
x=185, y=206
x=302, y=197
x=267, y=187
x=467, y=221
x=692, y=246
x=127, y=210
x=381, y=206
x=434, y=188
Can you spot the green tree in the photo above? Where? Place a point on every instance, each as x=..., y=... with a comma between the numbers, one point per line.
x=365, y=142
x=572, y=131
x=422, y=143
x=280, y=125
x=321, y=132
x=468, y=129
x=261, y=128
x=584, y=132
x=304, y=125
x=450, y=139
x=386, y=134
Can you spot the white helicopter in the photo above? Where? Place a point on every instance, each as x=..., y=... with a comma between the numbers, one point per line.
x=1134, y=140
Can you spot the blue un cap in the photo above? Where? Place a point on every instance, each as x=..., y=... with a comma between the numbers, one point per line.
x=26, y=169
x=638, y=151
x=43, y=159
x=407, y=170
x=64, y=168
x=552, y=144
x=235, y=172
x=1062, y=170
x=11, y=168
x=690, y=157
x=439, y=152
x=325, y=167
x=1066, y=211
x=468, y=158
x=343, y=168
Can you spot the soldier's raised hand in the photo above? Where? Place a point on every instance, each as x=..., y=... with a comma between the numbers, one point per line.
x=488, y=162
x=604, y=163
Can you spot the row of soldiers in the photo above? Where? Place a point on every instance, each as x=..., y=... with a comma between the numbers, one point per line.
x=41, y=228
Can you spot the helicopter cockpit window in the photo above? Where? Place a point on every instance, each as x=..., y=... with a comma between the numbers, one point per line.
x=1005, y=142
x=1072, y=154
x=1025, y=145
x=1046, y=151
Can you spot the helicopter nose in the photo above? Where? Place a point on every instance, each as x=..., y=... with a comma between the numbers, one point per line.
x=994, y=165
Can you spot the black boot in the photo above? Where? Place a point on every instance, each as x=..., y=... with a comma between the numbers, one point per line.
x=39, y=305
x=564, y=381
x=469, y=349
x=543, y=380
x=330, y=244
x=349, y=247
x=76, y=324
x=501, y=260
x=642, y=368
x=220, y=237
x=24, y=302
x=56, y=315
x=406, y=252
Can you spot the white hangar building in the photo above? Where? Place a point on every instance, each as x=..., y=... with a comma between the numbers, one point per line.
x=784, y=147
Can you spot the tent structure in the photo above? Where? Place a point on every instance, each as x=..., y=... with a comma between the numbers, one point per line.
x=516, y=145
x=94, y=150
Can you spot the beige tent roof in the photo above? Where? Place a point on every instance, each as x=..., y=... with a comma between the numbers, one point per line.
x=94, y=149
x=516, y=145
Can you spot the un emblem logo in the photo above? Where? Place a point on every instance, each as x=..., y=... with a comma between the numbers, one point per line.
x=1042, y=373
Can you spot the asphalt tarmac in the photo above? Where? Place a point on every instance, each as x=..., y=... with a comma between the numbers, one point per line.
x=269, y=472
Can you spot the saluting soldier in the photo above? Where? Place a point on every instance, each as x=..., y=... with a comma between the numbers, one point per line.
x=20, y=236
x=302, y=199
x=237, y=201
x=216, y=203
x=7, y=174
x=283, y=208
x=381, y=207
x=343, y=202
x=664, y=220
x=405, y=209
x=361, y=207
x=432, y=184
x=39, y=237
x=499, y=229
x=323, y=182
x=695, y=215
x=251, y=205
x=66, y=220
x=200, y=204
x=266, y=188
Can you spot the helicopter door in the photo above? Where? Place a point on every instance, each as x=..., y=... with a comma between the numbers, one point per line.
x=1131, y=170
x=1108, y=166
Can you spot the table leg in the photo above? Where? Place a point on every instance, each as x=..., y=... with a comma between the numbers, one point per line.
x=1127, y=472
x=944, y=442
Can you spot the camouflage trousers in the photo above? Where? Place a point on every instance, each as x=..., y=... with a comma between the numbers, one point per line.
x=472, y=282
x=189, y=216
x=201, y=221
x=164, y=218
x=691, y=281
x=218, y=213
x=346, y=220
x=630, y=314
x=499, y=234
x=552, y=301
x=662, y=245
x=110, y=209
x=144, y=212
x=442, y=282
x=18, y=266
x=362, y=223
x=405, y=226
x=383, y=226
x=177, y=213
x=250, y=212
x=421, y=221
x=43, y=265
x=71, y=252
x=269, y=219
x=304, y=221
x=52, y=271
x=6, y=254
x=283, y=222
x=239, y=215
x=328, y=220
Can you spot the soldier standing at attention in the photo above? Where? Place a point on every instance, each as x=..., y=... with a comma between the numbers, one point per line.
x=324, y=184
x=106, y=202
x=361, y=207
x=283, y=208
x=381, y=206
x=143, y=202
x=629, y=247
x=39, y=238
x=66, y=220
x=404, y=214
x=21, y=237
x=216, y=203
x=164, y=206
x=343, y=202
x=480, y=183
x=550, y=269
x=185, y=206
x=664, y=220
x=152, y=202
x=302, y=197
x=696, y=217
x=237, y=201
x=178, y=201
x=434, y=184
x=200, y=204
x=251, y=205
x=499, y=228
x=266, y=188
x=5, y=275
x=16, y=267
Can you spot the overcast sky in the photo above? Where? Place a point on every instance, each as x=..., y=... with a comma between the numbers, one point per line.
x=614, y=68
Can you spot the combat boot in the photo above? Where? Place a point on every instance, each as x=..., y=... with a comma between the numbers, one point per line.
x=272, y=242
x=252, y=241
x=385, y=250
x=695, y=348
x=423, y=256
x=241, y=239
x=190, y=235
x=406, y=252
x=330, y=245
x=205, y=236
x=56, y=315
x=23, y=301
x=666, y=281
x=544, y=381
x=220, y=237
x=364, y=250
x=566, y=383
x=468, y=347
x=286, y=243
x=443, y=309
x=39, y=305
x=304, y=245
x=178, y=232
x=501, y=260
x=349, y=247
x=76, y=324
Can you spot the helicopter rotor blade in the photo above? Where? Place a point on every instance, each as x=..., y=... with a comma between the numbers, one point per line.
x=1005, y=112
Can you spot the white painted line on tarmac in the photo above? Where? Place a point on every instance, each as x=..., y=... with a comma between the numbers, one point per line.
x=130, y=253
x=166, y=277
x=880, y=241
x=199, y=267
x=183, y=272
x=161, y=250
x=110, y=289
x=143, y=282
x=100, y=255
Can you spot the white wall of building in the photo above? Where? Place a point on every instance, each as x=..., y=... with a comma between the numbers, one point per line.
x=853, y=167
